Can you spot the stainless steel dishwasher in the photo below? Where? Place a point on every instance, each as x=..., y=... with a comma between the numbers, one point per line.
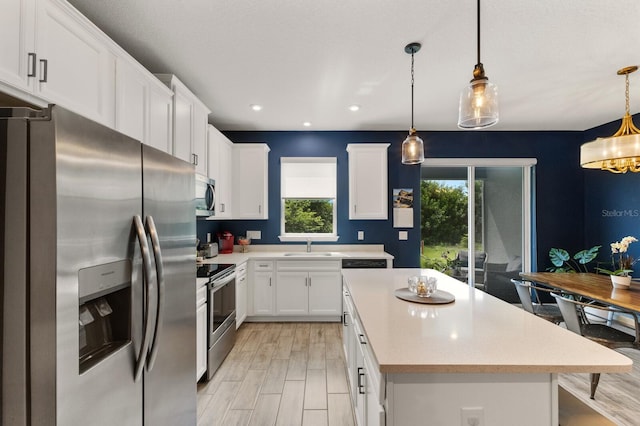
x=369, y=263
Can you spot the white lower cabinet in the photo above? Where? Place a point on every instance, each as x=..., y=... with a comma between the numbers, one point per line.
x=365, y=381
x=292, y=294
x=261, y=287
x=241, y=294
x=308, y=288
x=295, y=289
x=201, y=327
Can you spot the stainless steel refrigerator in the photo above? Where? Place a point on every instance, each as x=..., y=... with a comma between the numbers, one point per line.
x=98, y=278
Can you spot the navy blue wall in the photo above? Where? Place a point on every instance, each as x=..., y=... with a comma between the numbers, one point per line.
x=612, y=203
x=559, y=183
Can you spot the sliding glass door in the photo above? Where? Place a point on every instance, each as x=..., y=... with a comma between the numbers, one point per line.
x=476, y=221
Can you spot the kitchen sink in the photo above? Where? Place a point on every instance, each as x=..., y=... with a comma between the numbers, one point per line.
x=311, y=254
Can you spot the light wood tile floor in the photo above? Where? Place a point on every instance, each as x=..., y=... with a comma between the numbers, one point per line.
x=617, y=396
x=280, y=374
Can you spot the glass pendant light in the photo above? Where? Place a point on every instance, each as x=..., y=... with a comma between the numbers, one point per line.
x=412, y=147
x=620, y=152
x=479, y=100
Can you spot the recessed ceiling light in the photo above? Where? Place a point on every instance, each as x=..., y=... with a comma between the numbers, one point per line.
x=306, y=124
x=256, y=107
x=354, y=108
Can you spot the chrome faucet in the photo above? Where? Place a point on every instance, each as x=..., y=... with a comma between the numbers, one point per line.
x=308, y=245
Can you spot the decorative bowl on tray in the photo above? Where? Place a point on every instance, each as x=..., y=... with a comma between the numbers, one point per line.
x=423, y=286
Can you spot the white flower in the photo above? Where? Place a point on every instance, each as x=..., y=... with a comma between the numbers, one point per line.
x=623, y=245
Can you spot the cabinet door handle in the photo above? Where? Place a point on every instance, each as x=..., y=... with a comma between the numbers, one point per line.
x=309, y=281
x=361, y=339
x=355, y=208
x=344, y=319
x=260, y=208
x=221, y=207
x=306, y=281
x=45, y=67
x=32, y=65
x=194, y=159
x=360, y=384
x=269, y=281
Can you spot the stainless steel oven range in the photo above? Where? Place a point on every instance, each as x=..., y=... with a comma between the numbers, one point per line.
x=221, y=313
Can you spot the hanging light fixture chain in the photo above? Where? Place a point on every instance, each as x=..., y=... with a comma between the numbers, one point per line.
x=626, y=93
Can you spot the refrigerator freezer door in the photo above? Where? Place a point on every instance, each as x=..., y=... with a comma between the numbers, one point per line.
x=85, y=188
x=169, y=202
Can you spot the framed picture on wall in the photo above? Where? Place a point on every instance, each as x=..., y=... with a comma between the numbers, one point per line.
x=403, y=208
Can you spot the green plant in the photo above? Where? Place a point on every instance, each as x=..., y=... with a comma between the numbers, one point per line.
x=446, y=262
x=624, y=261
x=563, y=262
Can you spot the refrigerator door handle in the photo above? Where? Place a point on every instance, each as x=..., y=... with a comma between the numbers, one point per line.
x=157, y=254
x=146, y=266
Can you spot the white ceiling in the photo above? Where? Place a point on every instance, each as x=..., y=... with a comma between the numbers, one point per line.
x=554, y=61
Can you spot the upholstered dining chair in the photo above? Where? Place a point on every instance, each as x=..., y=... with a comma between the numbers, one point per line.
x=550, y=312
x=576, y=320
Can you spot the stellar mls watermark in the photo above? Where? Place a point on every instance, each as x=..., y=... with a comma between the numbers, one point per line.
x=620, y=213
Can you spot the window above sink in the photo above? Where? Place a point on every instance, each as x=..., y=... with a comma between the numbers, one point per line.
x=308, y=191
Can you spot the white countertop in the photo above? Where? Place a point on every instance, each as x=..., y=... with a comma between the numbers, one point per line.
x=298, y=251
x=475, y=334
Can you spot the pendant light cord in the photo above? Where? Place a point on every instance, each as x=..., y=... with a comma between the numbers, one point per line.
x=478, y=13
x=412, y=80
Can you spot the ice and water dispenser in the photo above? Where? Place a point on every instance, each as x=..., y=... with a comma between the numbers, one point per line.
x=104, y=311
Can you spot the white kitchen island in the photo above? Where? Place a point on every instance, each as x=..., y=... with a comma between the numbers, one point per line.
x=477, y=357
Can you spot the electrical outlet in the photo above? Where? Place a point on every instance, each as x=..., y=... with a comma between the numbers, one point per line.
x=472, y=416
x=254, y=235
x=360, y=235
x=403, y=235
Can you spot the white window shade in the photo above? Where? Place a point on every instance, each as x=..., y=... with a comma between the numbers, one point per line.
x=308, y=177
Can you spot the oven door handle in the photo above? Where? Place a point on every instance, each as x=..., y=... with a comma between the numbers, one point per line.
x=157, y=254
x=224, y=280
x=146, y=266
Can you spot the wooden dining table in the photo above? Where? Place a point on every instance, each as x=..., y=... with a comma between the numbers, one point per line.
x=593, y=286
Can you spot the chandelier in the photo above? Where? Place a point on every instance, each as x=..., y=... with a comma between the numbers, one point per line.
x=619, y=153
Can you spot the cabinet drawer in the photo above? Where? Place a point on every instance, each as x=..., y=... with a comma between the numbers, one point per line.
x=263, y=265
x=241, y=269
x=201, y=296
x=308, y=265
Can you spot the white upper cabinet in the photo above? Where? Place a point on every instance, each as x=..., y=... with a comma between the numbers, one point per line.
x=51, y=53
x=213, y=153
x=143, y=105
x=250, y=181
x=131, y=99
x=160, y=103
x=224, y=189
x=17, y=44
x=220, y=155
x=190, y=120
x=368, y=181
x=199, y=142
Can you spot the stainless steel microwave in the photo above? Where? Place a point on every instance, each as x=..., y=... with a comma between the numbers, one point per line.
x=205, y=196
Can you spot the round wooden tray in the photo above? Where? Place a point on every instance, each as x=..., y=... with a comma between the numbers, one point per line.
x=438, y=298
